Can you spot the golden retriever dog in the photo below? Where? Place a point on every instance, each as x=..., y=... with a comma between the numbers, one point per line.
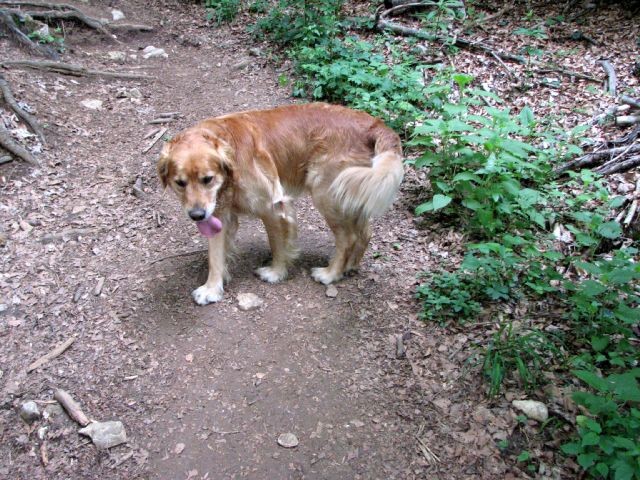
x=257, y=162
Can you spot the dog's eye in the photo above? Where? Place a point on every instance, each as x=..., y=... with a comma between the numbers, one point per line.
x=207, y=180
x=181, y=183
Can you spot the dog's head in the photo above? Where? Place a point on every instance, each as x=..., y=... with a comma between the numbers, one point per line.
x=196, y=166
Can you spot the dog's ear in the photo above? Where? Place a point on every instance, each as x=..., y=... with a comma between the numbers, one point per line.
x=163, y=166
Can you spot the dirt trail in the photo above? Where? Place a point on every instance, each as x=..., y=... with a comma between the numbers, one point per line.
x=204, y=391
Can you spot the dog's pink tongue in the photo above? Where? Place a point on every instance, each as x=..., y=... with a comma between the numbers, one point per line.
x=210, y=227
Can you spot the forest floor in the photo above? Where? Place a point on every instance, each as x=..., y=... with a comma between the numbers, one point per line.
x=205, y=392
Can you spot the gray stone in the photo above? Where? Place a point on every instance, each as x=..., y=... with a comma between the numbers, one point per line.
x=532, y=409
x=105, y=434
x=92, y=104
x=117, y=14
x=29, y=412
x=249, y=301
x=331, y=291
x=119, y=57
x=288, y=440
x=242, y=63
x=152, y=52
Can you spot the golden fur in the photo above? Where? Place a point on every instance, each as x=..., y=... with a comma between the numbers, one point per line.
x=257, y=162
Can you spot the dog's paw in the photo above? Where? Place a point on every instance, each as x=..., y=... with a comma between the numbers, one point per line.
x=271, y=275
x=204, y=295
x=324, y=275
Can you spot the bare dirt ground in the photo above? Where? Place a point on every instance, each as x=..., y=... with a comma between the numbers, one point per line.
x=204, y=392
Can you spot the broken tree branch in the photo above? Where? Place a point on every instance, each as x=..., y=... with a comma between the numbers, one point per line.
x=154, y=140
x=594, y=158
x=72, y=408
x=25, y=116
x=71, y=69
x=635, y=103
x=618, y=166
x=611, y=76
x=59, y=350
x=627, y=120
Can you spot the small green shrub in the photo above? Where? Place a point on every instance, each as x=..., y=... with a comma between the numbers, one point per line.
x=222, y=11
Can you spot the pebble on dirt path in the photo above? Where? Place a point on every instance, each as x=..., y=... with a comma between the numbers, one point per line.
x=105, y=434
x=331, y=291
x=249, y=301
x=288, y=440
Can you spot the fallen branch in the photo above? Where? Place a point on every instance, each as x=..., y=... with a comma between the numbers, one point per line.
x=597, y=157
x=70, y=69
x=25, y=116
x=154, y=140
x=130, y=26
x=627, y=120
x=635, y=103
x=611, y=76
x=56, y=352
x=72, y=408
x=493, y=16
x=618, y=166
x=9, y=144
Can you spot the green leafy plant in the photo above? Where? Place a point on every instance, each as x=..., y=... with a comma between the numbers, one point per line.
x=222, y=11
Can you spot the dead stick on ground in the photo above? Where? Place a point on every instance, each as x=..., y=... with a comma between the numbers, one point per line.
x=630, y=101
x=154, y=140
x=70, y=69
x=611, y=76
x=59, y=350
x=30, y=120
x=177, y=255
x=8, y=143
x=72, y=408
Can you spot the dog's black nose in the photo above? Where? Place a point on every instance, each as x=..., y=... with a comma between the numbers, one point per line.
x=197, y=214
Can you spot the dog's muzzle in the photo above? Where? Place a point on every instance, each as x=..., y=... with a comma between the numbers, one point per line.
x=197, y=214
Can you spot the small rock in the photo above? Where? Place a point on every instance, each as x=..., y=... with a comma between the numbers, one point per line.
x=288, y=440
x=532, y=409
x=357, y=423
x=242, y=63
x=105, y=434
x=92, y=104
x=179, y=448
x=152, y=52
x=256, y=52
x=42, y=432
x=43, y=31
x=117, y=15
x=119, y=57
x=331, y=291
x=249, y=301
x=29, y=412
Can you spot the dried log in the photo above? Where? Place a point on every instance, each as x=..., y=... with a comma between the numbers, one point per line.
x=627, y=120
x=71, y=69
x=130, y=26
x=72, y=408
x=25, y=116
x=611, y=76
x=597, y=157
x=56, y=352
x=618, y=166
x=635, y=103
x=7, y=23
x=9, y=144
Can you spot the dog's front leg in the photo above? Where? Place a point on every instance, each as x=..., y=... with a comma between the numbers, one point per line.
x=212, y=290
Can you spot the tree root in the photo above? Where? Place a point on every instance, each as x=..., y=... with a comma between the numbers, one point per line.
x=25, y=116
x=71, y=69
x=9, y=144
x=7, y=23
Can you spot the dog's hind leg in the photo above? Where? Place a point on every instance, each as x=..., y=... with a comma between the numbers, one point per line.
x=363, y=236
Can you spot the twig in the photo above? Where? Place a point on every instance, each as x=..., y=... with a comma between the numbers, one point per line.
x=59, y=350
x=44, y=455
x=29, y=119
x=177, y=255
x=499, y=60
x=611, y=76
x=153, y=141
x=72, y=408
x=9, y=144
x=71, y=69
x=130, y=26
x=632, y=212
x=630, y=101
x=493, y=16
x=627, y=120
x=597, y=157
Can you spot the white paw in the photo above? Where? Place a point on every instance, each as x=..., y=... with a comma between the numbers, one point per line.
x=204, y=295
x=271, y=275
x=323, y=275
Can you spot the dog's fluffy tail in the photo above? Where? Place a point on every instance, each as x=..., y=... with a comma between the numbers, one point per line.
x=365, y=192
